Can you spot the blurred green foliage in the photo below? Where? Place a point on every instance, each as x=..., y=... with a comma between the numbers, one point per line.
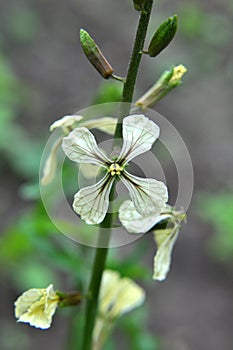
x=108, y=92
x=213, y=28
x=22, y=155
x=217, y=209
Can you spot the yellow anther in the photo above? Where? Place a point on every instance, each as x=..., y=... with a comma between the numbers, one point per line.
x=115, y=169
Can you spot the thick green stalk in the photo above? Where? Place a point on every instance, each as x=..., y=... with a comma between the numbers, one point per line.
x=128, y=90
x=101, y=253
x=98, y=268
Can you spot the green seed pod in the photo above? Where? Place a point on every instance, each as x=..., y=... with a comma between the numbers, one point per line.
x=95, y=55
x=139, y=5
x=163, y=36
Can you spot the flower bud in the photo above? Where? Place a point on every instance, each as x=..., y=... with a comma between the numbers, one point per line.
x=94, y=55
x=163, y=36
x=168, y=81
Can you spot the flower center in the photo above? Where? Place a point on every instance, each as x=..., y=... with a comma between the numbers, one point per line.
x=115, y=169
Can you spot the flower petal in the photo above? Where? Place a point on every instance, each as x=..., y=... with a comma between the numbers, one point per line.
x=81, y=147
x=149, y=196
x=89, y=171
x=118, y=295
x=134, y=222
x=106, y=124
x=91, y=202
x=23, y=303
x=165, y=240
x=66, y=123
x=37, y=306
x=139, y=134
x=129, y=296
x=51, y=164
x=108, y=290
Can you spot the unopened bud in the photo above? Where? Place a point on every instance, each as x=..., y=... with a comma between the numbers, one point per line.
x=163, y=36
x=168, y=81
x=95, y=55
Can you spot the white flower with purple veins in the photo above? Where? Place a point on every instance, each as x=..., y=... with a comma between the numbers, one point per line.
x=148, y=196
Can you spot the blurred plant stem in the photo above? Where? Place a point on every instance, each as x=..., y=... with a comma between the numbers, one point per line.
x=101, y=253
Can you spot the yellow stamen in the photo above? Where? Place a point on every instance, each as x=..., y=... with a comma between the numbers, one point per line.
x=115, y=169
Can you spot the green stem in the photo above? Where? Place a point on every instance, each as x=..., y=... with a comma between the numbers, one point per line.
x=98, y=268
x=128, y=90
x=101, y=253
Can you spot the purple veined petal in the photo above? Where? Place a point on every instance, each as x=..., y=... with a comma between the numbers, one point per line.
x=149, y=196
x=136, y=223
x=92, y=202
x=81, y=147
x=139, y=134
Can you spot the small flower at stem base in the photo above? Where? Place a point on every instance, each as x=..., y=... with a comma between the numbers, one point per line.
x=117, y=297
x=37, y=307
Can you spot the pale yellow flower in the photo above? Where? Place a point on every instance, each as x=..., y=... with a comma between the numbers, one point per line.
x=37, y=307
x=117, y=297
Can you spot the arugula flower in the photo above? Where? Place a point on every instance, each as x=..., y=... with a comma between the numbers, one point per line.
x=37, y=307
x=148, y=195
x=117, y=297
